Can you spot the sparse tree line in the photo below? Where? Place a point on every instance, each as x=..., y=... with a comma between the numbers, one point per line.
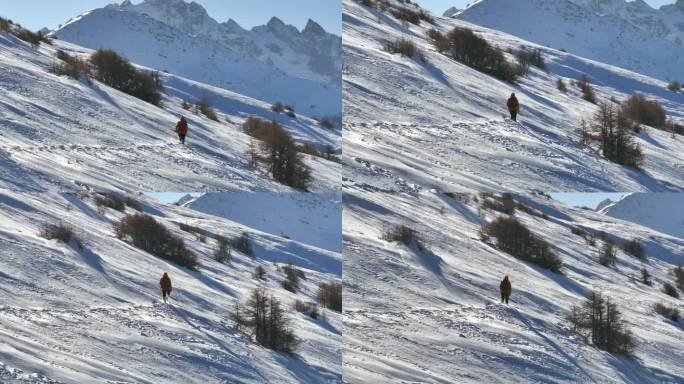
x=281, y=155
x=614, y=125
x=32, y=38
x=262, y=313
x=201, y=106
x=113, y=70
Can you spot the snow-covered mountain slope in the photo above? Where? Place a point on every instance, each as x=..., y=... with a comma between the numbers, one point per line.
x=94, y=315
x=58, y=133
x=434, y=316
x=563, y=24
x=275, y=62
x=665, y=214
x=666, y=22
x=411, y=124
x=314, y=219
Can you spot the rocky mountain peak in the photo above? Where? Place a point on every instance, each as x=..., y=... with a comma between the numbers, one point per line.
x=313, y=28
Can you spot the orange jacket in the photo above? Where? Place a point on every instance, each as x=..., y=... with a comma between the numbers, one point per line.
x=182, y=127
x=165, y=283
x=513, y=104
x=506, y=287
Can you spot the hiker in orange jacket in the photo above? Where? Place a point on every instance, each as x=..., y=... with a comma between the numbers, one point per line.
x=513, y=106
x=506, y=289
x=165, y=285
x=182, y=129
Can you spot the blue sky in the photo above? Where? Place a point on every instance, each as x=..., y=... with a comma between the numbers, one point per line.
x=590, y=200
x=439, y=6
x=36, y=14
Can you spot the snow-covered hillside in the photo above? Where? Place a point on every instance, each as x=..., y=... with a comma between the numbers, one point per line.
x=94, y=315
x=430, y=122
x=60, y=133
x=314, y=219
x=274, y=63
x=665, y=22
x=564, y=24
x=434, y=316
x=665, y=214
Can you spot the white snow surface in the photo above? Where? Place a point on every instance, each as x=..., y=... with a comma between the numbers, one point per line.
x=314, y=219
x=665, y=214
x=274, y=63
x=412, y=124
x=604, y=35
x=434, y=316
x=94, y=315
x=63, y=134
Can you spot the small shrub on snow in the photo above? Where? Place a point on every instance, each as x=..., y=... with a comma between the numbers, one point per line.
x=644, y=111
x=402, y=234
x=587, y=90
x=669, y=312
x=267, y=319
x=5, y=25
x=309, y=309
x=222, y=252
x=110, y=200
x=612, y=129
x=293, y=276
x=579, y=231
x=62, y=232
x=259, y=273
x=635, y=248
x=69, y=65
x=402, y=46
x=280, y=152
x=464, y=46
x=330, y=295
x=679, y=276
x=203, y=105
x=599, y=321
x=504, y=203
x=412, y=16
x=528, y=58
x=670, y=290
x=560, y=84
x=608, y=255
x=674, y=86
x=327, y=123
x=646, y=277
x=242, y=244
x=144, y=232
x=517, y=240
x=189, y=228
x=117, y=72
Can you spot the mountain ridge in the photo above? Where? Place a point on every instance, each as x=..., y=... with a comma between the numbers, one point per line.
x=274, y=62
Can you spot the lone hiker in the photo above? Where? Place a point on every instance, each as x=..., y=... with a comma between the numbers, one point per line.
x=165, y=284
x=182, y=129
x=513, y=106
x=506, y=289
